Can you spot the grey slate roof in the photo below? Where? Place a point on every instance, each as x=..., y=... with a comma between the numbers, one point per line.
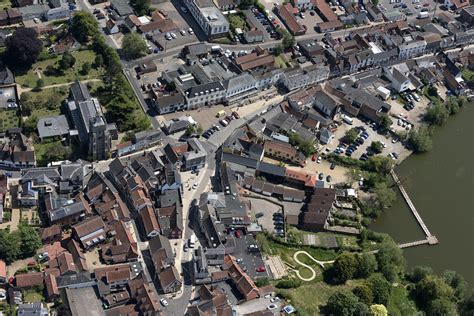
x=52, y=126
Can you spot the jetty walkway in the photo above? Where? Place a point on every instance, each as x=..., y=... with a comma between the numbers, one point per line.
x=430, y=239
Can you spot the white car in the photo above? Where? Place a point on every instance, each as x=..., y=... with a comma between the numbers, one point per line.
x=190, y=31
x=275, y=299
x=272, y=306
x=383, y=145
x=164, y=302
x=183, y=32
x=173, y=35
x=319, y=159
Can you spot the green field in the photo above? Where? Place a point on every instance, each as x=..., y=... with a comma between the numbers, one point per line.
x=30, y=78
x=46, y=102
x=309, y=297
x=33, y=296
x=8, y=119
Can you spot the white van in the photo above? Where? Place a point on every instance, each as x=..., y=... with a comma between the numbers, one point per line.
x=347, y=119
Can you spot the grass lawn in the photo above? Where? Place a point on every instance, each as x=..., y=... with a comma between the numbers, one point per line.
x=400, y=304
x=280, y=62
x=30, y=78
x=33, y=296
x=8, y=119
x=55, y=149
x=286, y=252
x=309, y=297
x=46, y=102
x=5, y=4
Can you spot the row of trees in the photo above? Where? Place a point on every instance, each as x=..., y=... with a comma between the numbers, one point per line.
x=117, y=95
x=433, y=294
x=420, y=140
x=20, y=244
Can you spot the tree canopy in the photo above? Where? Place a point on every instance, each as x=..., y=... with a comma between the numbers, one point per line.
x=437, y=115
x=67, y=61
x=351, y=135
x=341, y=303
x=380, y=287
x=376, y=147
x=23, y=47
x=133, y=46
x=84, y=26
x=141, y=7
x=420, y=140
x=20, y=244
x=344, y=267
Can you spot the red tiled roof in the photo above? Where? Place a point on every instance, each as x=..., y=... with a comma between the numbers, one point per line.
x=327, y=14
x=29, y=279
x=286, y=12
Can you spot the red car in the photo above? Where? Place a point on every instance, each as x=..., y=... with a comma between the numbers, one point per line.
x=260, y=269
x=237, y=233
x=313, y=158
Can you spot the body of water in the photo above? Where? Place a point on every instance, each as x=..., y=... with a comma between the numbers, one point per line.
x=441, y=185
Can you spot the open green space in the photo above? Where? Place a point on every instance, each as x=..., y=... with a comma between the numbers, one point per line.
x=5, y=4
x=48, y=151
x=30, y=78
x=399, y=303
x=286, y=252
x=309, y=297
x=33, y=296
x=45, y=102
x=8, y=119
x=280, y=62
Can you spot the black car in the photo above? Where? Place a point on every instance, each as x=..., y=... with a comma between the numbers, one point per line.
x=333, y=166
x=321, y=176
x=360, y=141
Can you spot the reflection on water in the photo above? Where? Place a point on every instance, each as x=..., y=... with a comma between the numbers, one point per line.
x=441, y=185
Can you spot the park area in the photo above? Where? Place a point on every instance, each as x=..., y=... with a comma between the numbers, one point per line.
x=52, y=73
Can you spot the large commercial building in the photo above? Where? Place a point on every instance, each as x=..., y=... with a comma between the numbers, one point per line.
x=209, y=17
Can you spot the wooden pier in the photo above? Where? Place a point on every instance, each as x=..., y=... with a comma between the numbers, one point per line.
x=430, y=239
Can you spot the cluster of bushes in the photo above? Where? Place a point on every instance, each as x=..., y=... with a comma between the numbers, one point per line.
x=19, y=244
x=288, y=283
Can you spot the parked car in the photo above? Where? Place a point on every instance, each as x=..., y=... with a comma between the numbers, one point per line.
x=321, y=176
x=183, y=32
x=275, y=299
x=184, y=9
x=258, y=215
x=164, y=302
x=319, y=159
x=190, y=31
x=261, y=269
x=333, y=166
x=272, y=306
x=238, y=234
x=328, y=179
x=313, y=158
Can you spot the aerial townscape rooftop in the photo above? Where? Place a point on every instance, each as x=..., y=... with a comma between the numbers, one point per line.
x=233, y=157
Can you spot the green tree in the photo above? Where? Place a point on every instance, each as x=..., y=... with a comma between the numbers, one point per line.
x=385, y=122
x=437, y=115
x=453, y=105
x=141, y=7
x=54, y=151
x=366, y=265
x=378, y=310
x=67, y=61
x=341, y=303
x=466, y=308
x=86, y=68
x=306, y=146
x=288, y=283
x=384, y=196
x=9, y=246
x=351, y=135
x=432, y=288
x=379, y=164
x=390, y=258
x=419, y=272
x=245, y=4
x=278, y=50
x=380, y=287
x=344, y=267
x=191, y=129
x=84, y=26
x=30, y=124
x=456, y=281
x=288, y=40
x=39, y=84
x=23, y=47
x=420, y=140
x=99, y=61
x=375, y=2
x=442, y=306
x=360, y=309
x=30, y=240
x=364, y=293
x=376, y=147
x=133, y=46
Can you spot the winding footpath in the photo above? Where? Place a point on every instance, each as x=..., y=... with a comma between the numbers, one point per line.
x=313, y=272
